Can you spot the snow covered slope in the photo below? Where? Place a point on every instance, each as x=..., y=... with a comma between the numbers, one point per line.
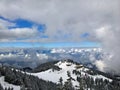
x=65, y=67
x=7, y=85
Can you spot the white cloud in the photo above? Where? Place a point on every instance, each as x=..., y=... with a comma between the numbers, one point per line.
x=4, y=24
x=42, y=56
x=17, y=33
x=2, y=56
x=100, y=64
x=110, y=38
x=69, y=17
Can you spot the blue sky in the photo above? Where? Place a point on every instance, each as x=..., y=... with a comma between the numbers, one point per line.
x=49, y=45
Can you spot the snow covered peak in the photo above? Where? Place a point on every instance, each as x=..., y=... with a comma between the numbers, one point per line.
x=65, y=66
x=75, y=50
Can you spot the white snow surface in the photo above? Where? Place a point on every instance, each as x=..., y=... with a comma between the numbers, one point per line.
x=7, y=85
x=54, y=76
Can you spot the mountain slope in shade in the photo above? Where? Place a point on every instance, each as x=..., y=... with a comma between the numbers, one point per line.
x=15, y=79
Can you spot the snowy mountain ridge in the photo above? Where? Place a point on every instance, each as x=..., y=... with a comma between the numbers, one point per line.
x=65, y=67
x=75, y=50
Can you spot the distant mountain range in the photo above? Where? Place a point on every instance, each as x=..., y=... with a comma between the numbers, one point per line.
x=32, y=57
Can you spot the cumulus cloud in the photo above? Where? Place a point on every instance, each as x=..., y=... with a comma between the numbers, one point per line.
x=17, y=33
x=100, y=64
x=110, y=37
x=6, y=56
x=65, y=20
x=42, y=56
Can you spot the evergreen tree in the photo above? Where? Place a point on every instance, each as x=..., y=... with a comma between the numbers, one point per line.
x=68, y=84
x=60, y=84
x=1, y=88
